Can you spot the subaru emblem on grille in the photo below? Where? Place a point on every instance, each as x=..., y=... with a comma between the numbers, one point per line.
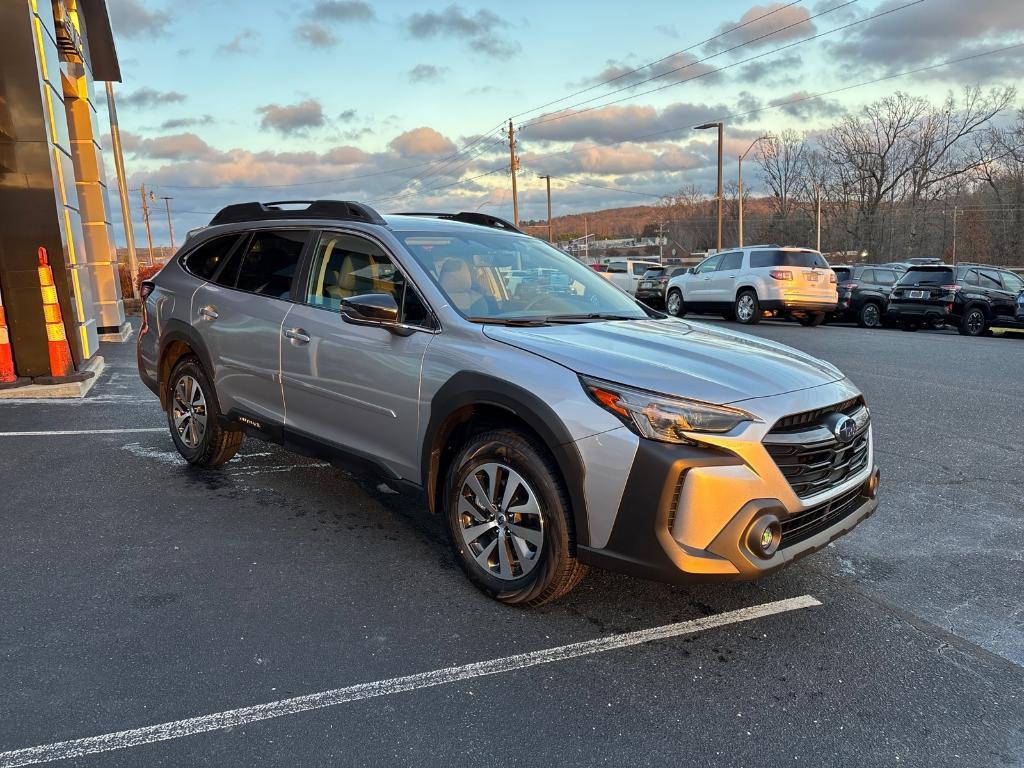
x=845, y=430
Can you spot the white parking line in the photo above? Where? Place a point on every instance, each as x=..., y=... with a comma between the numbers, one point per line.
x=55, y=432
x=235, y=717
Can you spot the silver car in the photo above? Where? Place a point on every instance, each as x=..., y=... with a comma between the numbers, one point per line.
x=556, y=426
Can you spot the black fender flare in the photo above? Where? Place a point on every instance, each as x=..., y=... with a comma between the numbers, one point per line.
x=178, y=330
x=469, y=388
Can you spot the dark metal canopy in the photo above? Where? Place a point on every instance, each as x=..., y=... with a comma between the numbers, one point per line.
x=100, y=40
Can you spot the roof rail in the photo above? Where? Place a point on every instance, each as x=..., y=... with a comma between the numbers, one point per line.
x=315, y=209
x=469, y=217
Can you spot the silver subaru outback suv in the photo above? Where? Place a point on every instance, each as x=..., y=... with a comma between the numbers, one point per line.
x=552, y=420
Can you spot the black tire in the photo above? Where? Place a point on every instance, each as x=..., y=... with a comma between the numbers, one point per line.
x=908, y=327
x=870, y=315
x=812, y=320
x=740, y=311
x=216, y=445
x=557, y=571
x=671, y=305
x=973, y=322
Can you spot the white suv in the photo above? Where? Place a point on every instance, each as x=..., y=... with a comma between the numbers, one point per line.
x=745, y=283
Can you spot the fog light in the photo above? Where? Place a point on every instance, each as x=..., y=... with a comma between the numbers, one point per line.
x=871, y=486
x=764, y=536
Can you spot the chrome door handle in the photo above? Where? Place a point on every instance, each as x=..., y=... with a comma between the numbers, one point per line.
x=209, y=313
x=707, y=278
x=297, y=335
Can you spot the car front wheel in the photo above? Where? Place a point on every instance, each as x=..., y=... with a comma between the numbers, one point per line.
x=509, y=520
x=194, y=420
x=747, y=308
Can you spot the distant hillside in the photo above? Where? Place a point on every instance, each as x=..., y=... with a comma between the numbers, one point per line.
x=609, y=223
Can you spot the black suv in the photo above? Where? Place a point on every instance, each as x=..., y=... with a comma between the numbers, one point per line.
x=970, y=297
x=864, y=292
x=651, y=288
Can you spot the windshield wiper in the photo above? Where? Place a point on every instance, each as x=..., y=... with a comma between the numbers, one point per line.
x=582, y=318
x=520, y=322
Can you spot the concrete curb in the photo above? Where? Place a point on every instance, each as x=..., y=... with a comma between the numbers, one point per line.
x=73, y=389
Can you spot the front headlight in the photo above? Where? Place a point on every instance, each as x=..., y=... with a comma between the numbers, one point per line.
x=658, y=417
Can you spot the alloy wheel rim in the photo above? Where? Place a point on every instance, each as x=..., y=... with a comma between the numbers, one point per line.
x=673, y=303
x=745, y=308
x=189, y=411
x=975, y=322
x=871, y=315
x=500, y=521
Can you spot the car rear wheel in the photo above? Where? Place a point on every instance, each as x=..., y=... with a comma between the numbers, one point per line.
x=194, y=419
x=870, y=316
x=812, y=319
x=509, y=520
x=973, y=323
x=674, y=303
x=747, y=308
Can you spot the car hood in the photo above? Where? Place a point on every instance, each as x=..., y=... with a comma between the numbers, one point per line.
x=674, y=357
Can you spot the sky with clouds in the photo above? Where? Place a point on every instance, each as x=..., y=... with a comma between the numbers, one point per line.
x=401, y=104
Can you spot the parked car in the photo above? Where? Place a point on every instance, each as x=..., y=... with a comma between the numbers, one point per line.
x=743, y=284
x=654, y=283
x=569, y=428
x=626, y=273
x=864, y=293
x=1020, y=306
x=971, y=298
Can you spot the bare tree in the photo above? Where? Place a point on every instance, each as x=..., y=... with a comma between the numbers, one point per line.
x=783, y=161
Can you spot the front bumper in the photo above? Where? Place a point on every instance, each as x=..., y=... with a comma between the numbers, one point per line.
x=687, y=512
x=651, y=296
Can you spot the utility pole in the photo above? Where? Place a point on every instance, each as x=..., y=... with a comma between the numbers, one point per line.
x=170, y=224
x=954, y=241
x=514, y=166
x=661, y=242
x=548, y=180
x=586, y=238
x=720, y=128
x=145, y=217
x=122, y=188
x=817, y=217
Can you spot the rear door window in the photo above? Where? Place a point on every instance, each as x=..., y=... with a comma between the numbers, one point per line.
x=989, y=279
x=732, y=260
x=270, y=261
x=780, y=258
x=885, y=276
x=867, y=276
x=204, y=261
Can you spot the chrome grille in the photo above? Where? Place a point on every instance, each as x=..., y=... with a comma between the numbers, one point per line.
x=811, y=458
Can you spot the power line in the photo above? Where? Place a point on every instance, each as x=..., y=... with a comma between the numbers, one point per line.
x=659, y=61
x=563, y=116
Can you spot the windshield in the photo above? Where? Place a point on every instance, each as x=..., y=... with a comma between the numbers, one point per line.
x=915, y=276
x=490, y=276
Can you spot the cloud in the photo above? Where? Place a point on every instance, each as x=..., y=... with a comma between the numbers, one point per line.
x=292, y=118
x=669, y=30
x=185, y=122
x=421, y=142
x=244, y=42
x=678, y=68
x=425, y=73
x=150, y=97
x=347, y=115
x=937, y=31
x=480, y=30
x=612, y=122
x=316, y=35
x=782, y=15
x=774, y=71
x=180, y=146
x=627, y=158
x=342, y=11
x=807, y=109
x=131, y=19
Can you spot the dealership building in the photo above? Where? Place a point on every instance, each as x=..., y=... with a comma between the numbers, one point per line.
x=53, y=190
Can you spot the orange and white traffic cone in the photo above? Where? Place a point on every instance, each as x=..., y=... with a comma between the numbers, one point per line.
x=62, y=365
x=8, y=376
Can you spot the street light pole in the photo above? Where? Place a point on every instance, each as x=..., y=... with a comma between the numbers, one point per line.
x=170, y=224
x=548, y=180
x=720, y=126
x=739, y=184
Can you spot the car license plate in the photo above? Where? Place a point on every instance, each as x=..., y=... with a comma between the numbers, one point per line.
x=812, y=277
x=916, y=294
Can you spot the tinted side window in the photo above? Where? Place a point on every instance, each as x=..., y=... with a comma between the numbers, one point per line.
x=617, y=267
x=639, y=269
x=971, y=278
x=989, y=279
x=868, y=276
x=731, y=261
x=346, y=265
x=204, y=260
x=780, y=258
x=885, y=276
x=1011, y=281
x=270, y=262
x=709, y=264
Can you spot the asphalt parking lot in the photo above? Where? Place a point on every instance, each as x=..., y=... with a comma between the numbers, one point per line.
x=278, y=612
